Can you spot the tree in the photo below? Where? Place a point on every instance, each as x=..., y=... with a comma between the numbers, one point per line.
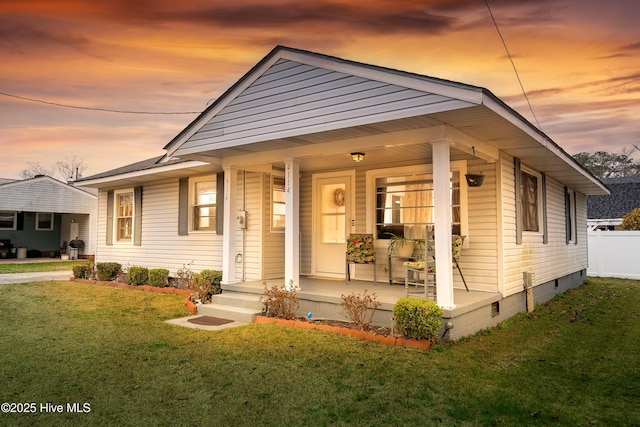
x=609, y=165
x=631, y=221
x=34, y=170
x=70, y=168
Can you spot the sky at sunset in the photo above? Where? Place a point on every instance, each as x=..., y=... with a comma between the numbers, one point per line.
x=579, y=62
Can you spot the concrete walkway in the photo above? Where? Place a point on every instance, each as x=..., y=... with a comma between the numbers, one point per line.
x=40, y=276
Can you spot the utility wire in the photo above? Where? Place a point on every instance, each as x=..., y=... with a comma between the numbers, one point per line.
x=513, y=65
x=108, y=110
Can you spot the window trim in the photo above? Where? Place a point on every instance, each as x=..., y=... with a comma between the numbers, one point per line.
x=273, y=177
x=117, y=193
x=37, y=226
x=192, y=204
x=15, y=221
x=459, y=166
x=538, y=176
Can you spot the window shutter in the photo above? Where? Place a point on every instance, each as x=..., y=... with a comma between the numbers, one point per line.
x=220, y=203
x=109, y=231
x=20, y=221
x=183, y=207
x=567, y=216
x=137, y=216
x=518, y=194
x=545, y=229
x=575, y=217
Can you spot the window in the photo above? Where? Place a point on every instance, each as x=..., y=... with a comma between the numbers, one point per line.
x=8, y=220
x=204, y=204
x=277, y=203
x=404, y=204
x=529, y=200
x=44, y=221
x=123, y=215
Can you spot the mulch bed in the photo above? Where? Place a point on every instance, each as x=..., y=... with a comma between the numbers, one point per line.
x=378, y=330
x=209, y=321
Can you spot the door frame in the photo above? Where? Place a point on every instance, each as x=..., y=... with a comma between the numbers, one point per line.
x=349, y=216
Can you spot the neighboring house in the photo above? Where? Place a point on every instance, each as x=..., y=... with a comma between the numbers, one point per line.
x=43, y=215
x=306, y=149
x=606, y=212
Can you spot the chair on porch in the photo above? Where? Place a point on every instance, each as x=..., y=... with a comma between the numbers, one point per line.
x=420, y=275
x=360, y=250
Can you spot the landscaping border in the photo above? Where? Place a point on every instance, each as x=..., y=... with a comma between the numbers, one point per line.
x=363, y=335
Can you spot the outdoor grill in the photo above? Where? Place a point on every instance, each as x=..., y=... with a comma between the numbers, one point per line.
x=76, y=246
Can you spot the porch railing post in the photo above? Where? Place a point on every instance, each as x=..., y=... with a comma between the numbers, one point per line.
x=442, y=220
x=229, y=226
x=292, y=224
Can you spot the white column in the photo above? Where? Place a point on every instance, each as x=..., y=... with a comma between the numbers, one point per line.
x=229, y=226
x=442, y=220
x=292, y=224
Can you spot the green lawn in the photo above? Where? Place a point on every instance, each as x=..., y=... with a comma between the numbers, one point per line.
x=8, y=267
x=576, y=361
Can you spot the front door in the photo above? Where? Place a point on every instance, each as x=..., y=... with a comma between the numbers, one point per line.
x=333, y=221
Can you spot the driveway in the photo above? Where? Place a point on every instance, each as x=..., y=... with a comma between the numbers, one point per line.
x=34, y=277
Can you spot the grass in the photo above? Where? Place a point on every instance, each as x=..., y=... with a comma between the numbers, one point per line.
x=8, y=267
x=575, y=361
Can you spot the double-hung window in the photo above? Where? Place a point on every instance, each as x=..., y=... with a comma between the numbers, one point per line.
x=123, y=215
x=8, y=220
x=277, y=203
x=204, y=203
x=529, y=200
x=44, y=221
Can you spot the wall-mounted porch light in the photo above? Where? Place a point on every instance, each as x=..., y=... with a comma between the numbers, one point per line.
x=357, y=157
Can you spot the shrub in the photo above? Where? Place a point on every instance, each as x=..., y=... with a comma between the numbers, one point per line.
x=138, y=275
x=200, y=288
x=280, y=302
x=158, y=277
x=360, y=308
x=81, y=271
x=417, y=318
x=183, y=277
x=107, y=270
x=631, y=221
x=214, y=277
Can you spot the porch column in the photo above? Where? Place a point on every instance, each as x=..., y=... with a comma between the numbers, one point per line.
x=292, y=224
x=229, y=226
x=442, y=220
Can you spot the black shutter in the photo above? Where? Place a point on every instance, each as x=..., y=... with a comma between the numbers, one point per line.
x=220, y=203
x=137, y=216
x=518, y=195
x=109, y=231
x=20, y=221
x=545, y=229
x=575, y=217
x=183, y=207
x=567, y=215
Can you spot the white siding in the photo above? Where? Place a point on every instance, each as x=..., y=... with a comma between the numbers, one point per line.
x=273, y=248
x=547, y=261
x=291, y=98
x=161, y=246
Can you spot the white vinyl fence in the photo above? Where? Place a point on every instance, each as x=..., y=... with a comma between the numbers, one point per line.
x=614, y=254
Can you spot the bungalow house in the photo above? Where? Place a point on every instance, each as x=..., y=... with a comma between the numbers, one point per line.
x=305, y=149
x=42, y=216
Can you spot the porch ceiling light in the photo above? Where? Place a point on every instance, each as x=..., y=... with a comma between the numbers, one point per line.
x=357, y=157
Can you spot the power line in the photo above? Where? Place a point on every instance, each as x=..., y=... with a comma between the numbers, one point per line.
x=512, y=64
x=107, y=110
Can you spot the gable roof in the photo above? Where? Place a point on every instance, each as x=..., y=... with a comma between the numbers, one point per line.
x=293, y=98
x=45, y=194
x=624, y=197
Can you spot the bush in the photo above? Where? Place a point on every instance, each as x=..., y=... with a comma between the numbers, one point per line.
x=200, y=288
x=631, y=221
x=183, y=277
x=158, y=277
x=81, y=271
x=138, y=275
x=280, y=302
x=417, y=318
x=107, y=270
x=360, y=308
x=214, y=277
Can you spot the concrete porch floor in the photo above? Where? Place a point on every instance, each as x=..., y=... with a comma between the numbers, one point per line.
x=322, y=297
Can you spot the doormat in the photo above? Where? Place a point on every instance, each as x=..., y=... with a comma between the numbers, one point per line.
x=209, y=321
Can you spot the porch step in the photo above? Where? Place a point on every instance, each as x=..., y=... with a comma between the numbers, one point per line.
x=238, y=314
x=238, y=299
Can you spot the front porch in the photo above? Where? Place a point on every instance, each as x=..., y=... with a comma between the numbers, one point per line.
x=322, y=297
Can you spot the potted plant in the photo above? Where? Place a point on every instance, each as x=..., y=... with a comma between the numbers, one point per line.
x=400, y=245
